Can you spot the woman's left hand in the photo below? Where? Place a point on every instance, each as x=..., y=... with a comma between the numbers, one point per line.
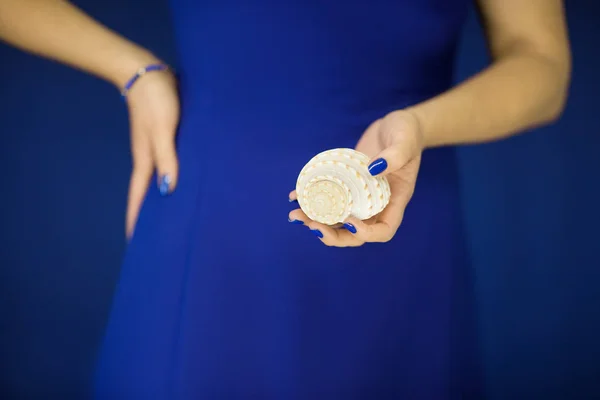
x=395, y=144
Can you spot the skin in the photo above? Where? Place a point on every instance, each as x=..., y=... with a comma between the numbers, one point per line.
x=58, y=30
x=524, y=87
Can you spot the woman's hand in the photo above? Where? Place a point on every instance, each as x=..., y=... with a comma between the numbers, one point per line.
x=66, y=34
x=394, y=144
x=154, y=115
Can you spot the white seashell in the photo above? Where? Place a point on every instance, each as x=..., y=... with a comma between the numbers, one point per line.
x=336, y=184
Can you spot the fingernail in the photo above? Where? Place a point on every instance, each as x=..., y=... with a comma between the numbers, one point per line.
x=291, y=201
x=165, y=183
x=377, y=166
x=317, y=233
x=350, y=227
x=295, y=221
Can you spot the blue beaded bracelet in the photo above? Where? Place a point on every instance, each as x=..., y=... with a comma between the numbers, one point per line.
x=140, y=72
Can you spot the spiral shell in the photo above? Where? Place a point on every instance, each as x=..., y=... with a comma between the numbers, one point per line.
x=336, y=183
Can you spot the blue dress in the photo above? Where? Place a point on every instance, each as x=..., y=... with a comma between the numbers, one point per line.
x=220, y=297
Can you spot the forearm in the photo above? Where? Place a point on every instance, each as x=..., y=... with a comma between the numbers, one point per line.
x=515, y=93
x=57, y=30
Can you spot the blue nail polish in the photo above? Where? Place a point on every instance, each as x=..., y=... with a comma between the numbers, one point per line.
x=377, y=166
x=350, y=227
x=317, y=233
x=165, y=183
x=295, y=221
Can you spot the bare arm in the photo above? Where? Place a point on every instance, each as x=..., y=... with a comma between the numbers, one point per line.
x=57, y=30
x=525, y=86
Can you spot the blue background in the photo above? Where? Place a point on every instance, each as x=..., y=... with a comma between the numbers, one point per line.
x=530, y=206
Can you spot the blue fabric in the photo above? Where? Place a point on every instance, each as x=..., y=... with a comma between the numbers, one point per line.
x=220, y=296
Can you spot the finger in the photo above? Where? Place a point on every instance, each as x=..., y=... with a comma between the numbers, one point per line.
x=297, y=217
x=167, y=164
x=388, y=221
x=391, y=159
x=329, y=235
x=379, y=232
x=138, y=186
x=333, y=237
x=292, y=196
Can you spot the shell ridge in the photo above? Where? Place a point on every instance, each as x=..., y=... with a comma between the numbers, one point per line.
x=335, y=184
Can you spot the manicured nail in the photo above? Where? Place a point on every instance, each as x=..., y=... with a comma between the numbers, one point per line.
x=165, y=183
x=350, y=227
x=377, y=166
x=317, y=233
x=295, y=221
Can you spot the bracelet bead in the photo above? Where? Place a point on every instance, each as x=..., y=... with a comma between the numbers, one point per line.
x=139, y=73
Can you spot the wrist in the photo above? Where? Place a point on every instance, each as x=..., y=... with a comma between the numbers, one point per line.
x=129, y=64
x=420, y=119
x=405, y=122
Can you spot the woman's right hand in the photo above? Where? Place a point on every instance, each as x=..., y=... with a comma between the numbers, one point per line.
x=66, y=34
x=153, y=104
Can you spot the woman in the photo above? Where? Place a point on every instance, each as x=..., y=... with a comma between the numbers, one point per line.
x=218, y=298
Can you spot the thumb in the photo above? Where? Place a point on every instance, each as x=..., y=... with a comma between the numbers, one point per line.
x=391, y=159
x=167, y=164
